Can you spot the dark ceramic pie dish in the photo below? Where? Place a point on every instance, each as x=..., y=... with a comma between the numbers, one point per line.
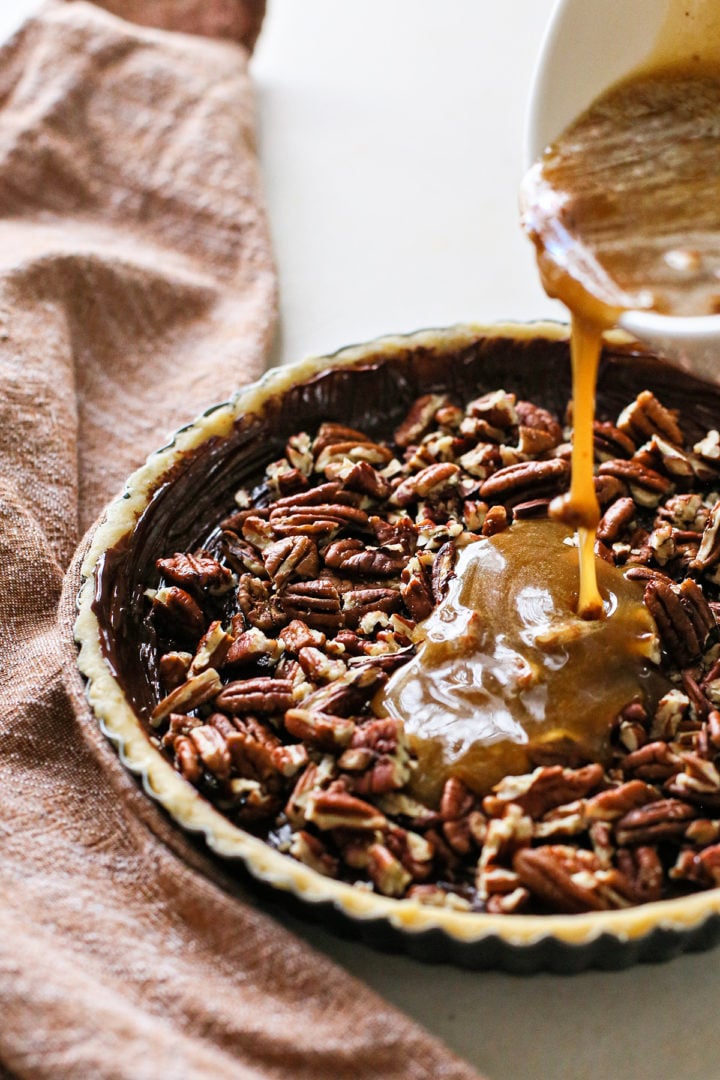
x=171, y=504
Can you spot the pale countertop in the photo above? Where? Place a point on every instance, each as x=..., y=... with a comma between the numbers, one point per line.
x=391, y=144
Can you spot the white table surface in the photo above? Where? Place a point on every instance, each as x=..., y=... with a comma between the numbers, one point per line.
x=391, y=136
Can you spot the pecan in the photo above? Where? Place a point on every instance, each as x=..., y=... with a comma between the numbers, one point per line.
x=335, y=809
x=173, y=667
x=608, y=489
x=262, y=695
x=258, y=531
x=561, y=877
x=646, y=417
x=178, y=612
x=647, y=487
x=616, y=802
x=642, y=872
x=527, y=479
x=416, y=590
x=315, y=778
x=317, y=522
x=432, y=481
x=241, y=556
x=380, y=748
x=616, y=520
x=386, y=872
x=418, y=419
x=258, y=605
x=320, y=729
x=319, y=667
x=188, y=696
x=436, y=896
x=316, y=603
x=298, y=635
x=187, y=758
x=353, y=450
x=311, y=851
x=401, y=536
x=682, y=465
x=251, y=646
x=356, y=603
x=330, y=433
x=212, y=649
x=496, y=521
x=361, y=477
x=197, y=572
x=354, y=557
x=709, y=550
x=213, y=749
x=675, y=625
x=653, y=761
x=548, y=786
x=292, y=557
x=665, y=819
x=346, y=695
x=610, y=442
x=531, y=415
x=443, y=571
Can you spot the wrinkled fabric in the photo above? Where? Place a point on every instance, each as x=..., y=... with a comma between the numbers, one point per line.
x=136, y=288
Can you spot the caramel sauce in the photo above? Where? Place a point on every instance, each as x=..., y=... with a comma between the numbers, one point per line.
x=508, y=674
x=528, y=660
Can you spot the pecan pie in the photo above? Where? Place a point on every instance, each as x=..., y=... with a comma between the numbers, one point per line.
x=274, y=636
x=259, y=600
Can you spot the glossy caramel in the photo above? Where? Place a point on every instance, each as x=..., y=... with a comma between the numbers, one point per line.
x=508, y=675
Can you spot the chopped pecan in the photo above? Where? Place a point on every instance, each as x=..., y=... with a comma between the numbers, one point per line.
x=353, y=450
x=615, y=802
x=381, y=750
x=262, y=695
x=610, y=442
x=298, y=635
x=496, y=521
x=360, y=476
x=261, y=609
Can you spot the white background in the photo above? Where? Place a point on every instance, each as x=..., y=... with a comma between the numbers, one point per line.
x=391, y=143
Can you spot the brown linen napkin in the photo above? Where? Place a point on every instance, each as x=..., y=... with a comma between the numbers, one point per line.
x=136, y=286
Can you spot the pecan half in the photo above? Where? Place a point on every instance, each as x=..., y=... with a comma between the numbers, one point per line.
x=196, y=572
x=178, y=613
x=354, y=557
x=665, y=819
x=292, y=557
x=316, y=603
x=262, y=695
x=527, y=479
x=562, y=877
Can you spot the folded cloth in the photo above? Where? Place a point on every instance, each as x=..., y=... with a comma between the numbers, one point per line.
x=136, y=287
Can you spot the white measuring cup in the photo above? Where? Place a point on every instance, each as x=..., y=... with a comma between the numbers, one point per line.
x=589, y=45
